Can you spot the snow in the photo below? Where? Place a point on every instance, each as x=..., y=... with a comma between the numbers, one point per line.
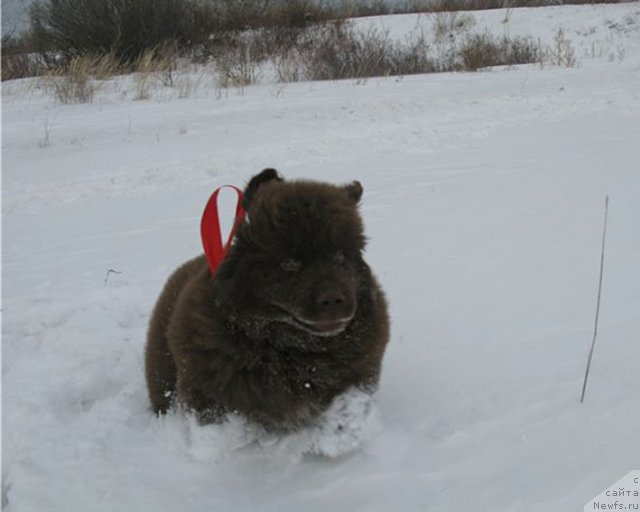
x=483, y=202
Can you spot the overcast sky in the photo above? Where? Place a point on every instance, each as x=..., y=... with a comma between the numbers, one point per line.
x=14, y=15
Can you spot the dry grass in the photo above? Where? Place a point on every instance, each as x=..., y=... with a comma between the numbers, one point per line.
x=331, y=51
x=145, y=33
x=105, y=66
x=72, y=82
x=326, y=51
x=78, y=79
x=149, y=68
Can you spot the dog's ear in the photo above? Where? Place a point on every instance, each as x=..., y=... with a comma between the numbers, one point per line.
x=255, y=183
x=354, y=191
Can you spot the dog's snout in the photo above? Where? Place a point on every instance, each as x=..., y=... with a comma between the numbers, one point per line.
x=333, y=301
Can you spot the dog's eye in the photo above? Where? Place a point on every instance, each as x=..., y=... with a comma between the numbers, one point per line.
x=290, y=265
x=338, y=257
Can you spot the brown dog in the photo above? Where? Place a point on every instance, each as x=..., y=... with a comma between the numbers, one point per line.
x=292, y=317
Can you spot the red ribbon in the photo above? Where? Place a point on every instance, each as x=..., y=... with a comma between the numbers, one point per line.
x=210, y=228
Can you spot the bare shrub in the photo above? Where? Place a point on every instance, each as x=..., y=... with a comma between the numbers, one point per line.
x=236, y=67
x=289, y=67
x=336, y=51
x=19, y=59
x=232, y=15
x=267, y=42
x=480, y=51
x=520, y=50
x=413, y=57
x=22, y=65
x=562, y=52
x=125, y=28
x=484, y=50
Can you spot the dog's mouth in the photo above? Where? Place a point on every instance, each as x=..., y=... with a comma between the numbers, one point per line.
x=324, y=328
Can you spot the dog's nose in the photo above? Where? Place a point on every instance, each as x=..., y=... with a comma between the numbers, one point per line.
x=333, y=301
x=330, y=298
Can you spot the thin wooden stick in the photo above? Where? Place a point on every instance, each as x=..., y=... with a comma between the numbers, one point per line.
x=109, y=272
x=595, y=327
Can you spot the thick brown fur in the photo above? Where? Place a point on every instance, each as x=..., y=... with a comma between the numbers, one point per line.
x=292, y=317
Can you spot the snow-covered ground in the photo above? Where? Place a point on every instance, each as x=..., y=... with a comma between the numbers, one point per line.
x=483, y=203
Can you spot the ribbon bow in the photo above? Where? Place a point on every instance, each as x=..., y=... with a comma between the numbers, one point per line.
x=214, y=250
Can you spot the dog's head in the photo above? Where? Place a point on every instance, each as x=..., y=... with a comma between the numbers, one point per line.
x=297, y=259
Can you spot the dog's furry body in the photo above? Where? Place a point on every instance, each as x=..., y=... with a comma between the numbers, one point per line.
x=292, y=317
